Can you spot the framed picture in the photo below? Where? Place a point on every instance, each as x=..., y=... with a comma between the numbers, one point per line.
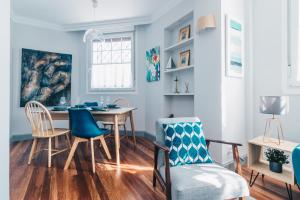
x=153, y=64
x=234, y=48
x=184, y=33
x=184, y=58
x=46, y=77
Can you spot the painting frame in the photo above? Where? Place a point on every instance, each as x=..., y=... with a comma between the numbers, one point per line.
x=45, y=77
x=184, y=33
x=234, y=47
x=184, y=58
x=153, y=64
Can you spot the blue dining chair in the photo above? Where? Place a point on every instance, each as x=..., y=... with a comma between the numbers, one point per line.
x=90, y=104
x=85, y=129
x=296, y=164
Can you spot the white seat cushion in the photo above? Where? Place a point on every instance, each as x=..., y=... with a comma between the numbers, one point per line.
x=205, y=181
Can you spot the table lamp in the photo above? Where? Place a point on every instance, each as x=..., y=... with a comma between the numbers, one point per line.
x=274, y=105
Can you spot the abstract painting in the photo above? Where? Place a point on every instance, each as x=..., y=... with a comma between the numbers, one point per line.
x=46, y=77
x=153, y=64
x=234, y=48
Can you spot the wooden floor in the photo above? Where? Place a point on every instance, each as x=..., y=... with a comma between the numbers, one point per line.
x=132, y=181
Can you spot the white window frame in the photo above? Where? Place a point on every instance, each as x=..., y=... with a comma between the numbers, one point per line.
x=89, y=66
x=292, y=64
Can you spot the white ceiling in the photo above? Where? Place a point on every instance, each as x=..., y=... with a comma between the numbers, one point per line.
x=63, y=12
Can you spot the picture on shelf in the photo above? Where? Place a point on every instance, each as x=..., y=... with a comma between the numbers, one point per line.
x=234, y=48
x=184, y=33
x=153, y=64
x=184, y=58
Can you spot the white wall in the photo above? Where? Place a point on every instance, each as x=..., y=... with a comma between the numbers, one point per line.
x=24, y=36
x=233, y=89
x=269, y=59
x=5, y=96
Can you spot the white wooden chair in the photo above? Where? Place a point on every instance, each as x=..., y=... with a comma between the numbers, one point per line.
x=42, y=128
x=122, y=119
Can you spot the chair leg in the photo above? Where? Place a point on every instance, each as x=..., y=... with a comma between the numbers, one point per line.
x=49, y=152
x=102, y=140
x=68, y=140
x=71, y=154
x=93, y=155
x=125, y=131
x=32, y=150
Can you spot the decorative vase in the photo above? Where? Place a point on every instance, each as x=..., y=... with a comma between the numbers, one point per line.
x=275, y=167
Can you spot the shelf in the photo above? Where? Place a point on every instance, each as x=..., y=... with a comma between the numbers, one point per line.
x=180, y=94
x=263, y=168
x=181, y=44
x=179, y=69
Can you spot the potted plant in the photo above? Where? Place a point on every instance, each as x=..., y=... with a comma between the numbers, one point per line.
x=276, y=159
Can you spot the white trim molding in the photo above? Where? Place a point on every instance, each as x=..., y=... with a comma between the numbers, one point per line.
x=120, y=24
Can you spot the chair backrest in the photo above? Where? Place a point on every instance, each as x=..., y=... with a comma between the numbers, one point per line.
x=160, y=134
x=89, y=104
x=122, y=102
x=83, y=124
x=296, y=163
x=39, y=118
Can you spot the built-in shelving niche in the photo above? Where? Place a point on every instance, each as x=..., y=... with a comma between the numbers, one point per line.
x=182, y=104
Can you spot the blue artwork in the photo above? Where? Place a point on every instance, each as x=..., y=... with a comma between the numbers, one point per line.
x=234, y=51
x=153, y=64
x=46, y=77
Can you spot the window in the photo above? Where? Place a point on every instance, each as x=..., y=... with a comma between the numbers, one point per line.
x=112, y=63
x=293, y=42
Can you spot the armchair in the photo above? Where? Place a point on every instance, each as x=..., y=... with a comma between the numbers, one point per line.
x=195, y=181
x=296, y=164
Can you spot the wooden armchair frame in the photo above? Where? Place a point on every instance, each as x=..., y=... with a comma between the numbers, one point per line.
x=166, y=185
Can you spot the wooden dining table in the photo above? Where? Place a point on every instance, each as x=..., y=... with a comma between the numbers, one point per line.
x=111, y=115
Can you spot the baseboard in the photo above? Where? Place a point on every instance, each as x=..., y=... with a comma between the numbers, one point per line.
x=19, y=138
x=24, y=137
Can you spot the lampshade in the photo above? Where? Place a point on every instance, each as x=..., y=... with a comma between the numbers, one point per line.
x=205, y=22
x=276, y=105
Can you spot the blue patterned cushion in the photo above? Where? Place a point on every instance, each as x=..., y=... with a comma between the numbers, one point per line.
x=186, y=142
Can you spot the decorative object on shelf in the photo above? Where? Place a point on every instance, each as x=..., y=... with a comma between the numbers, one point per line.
x=185, y=33
x=206, y=22
x=274, y=105
x=46, y=77
x=187, y=84
x=184, y=58
x=234, y=48
x=153, y=64
x=93, y=33
x=176, y=85
x=170, y=64
x=276, y=159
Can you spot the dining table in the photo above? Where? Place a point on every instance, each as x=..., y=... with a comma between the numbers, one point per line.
x=109, y=115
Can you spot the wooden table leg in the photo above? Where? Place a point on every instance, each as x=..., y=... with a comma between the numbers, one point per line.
x=132, y=128
x=117, y=139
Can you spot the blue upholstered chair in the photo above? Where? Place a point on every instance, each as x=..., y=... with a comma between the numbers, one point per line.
x=296, y=164
x=90, y=104
x=84, y=128
x=195, y=181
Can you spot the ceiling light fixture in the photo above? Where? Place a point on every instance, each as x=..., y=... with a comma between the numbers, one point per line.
x=93, y=33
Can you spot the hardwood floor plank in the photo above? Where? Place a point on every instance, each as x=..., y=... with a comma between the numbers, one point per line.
x=132, y=180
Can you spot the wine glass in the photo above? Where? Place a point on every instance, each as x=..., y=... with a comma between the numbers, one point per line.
x=101, y=101
x=62, y=101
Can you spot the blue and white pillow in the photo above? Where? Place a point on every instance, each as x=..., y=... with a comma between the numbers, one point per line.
x=186, y=142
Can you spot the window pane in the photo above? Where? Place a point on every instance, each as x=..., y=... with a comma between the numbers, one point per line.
x=116, y=56
x=116, y=43
x=94, y=57
x=126, y=43
x=126, y=56
x=95, y=46
x=106, y=57
x=106, y=45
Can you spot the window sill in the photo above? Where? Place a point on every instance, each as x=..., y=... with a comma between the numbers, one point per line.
x=113, y=91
